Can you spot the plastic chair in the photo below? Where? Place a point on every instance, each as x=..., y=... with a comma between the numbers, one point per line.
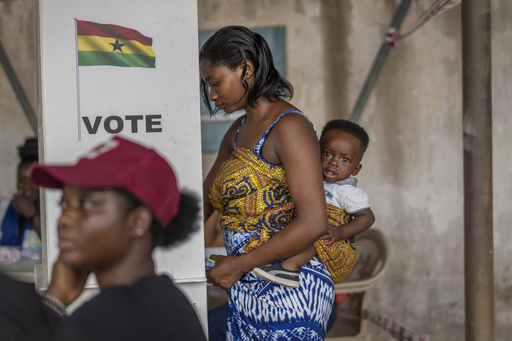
x=371, y=264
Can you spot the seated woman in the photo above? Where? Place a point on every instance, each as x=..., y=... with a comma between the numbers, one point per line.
x=19, y=216
x=118, y=203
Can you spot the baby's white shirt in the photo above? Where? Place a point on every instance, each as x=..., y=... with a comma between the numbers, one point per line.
x=345, y=195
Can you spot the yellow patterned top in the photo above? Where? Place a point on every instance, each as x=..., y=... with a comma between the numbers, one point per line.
x=252, y=196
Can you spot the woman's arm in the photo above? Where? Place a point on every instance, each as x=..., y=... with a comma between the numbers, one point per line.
x=294, y=142
x=225, y=150
x=66, y=283
x=212, y=234
x=26, y=207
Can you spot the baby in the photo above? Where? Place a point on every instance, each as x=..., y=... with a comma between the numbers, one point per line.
x=342, y=144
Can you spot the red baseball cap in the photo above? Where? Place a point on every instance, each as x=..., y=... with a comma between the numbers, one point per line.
x=120, y=163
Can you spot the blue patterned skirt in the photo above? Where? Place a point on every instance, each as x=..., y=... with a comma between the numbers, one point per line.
x=260, y=310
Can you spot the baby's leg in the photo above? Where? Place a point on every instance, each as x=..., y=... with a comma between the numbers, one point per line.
x=297, y=261
x=287, y=272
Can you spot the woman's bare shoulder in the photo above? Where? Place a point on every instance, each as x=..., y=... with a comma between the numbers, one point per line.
x=295, y=122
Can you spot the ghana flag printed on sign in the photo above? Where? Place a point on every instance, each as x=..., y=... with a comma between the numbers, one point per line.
x=104, y=44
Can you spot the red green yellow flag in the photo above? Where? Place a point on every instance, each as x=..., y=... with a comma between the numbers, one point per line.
x=105, y=44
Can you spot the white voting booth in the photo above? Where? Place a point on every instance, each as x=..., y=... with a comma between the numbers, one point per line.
x=82, y=106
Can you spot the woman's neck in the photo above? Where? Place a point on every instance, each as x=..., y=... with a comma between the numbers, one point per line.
x=266, y=110
x=125, y=274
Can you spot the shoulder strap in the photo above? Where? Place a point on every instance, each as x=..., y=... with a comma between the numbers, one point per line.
x=259, y=145
x=238, y=130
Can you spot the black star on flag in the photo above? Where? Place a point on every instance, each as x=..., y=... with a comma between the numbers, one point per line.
x=117, y=45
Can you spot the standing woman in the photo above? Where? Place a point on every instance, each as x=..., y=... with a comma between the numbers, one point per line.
x=267, y=185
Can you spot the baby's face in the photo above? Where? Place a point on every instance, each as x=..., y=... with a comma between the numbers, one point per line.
x=341, y=155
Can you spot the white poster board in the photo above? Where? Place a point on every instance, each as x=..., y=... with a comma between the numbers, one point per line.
x=82, y=106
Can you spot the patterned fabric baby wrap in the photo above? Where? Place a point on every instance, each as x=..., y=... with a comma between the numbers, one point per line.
x=252, y=196
x=253, y=199
x=340, y=256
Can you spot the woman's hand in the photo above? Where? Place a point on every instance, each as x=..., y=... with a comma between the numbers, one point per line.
x=226, y=271
x=23, y=205
x=67, y=283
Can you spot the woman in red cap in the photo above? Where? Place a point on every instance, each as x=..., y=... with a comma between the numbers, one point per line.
x=119, y=203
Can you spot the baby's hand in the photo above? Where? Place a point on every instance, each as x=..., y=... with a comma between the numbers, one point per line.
x=333, y=234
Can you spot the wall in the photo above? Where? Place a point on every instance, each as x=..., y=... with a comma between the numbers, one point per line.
x=413, y=168
x=502, y=164
x=18, y=37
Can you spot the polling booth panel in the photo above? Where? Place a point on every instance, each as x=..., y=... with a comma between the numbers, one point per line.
x=127, y=68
